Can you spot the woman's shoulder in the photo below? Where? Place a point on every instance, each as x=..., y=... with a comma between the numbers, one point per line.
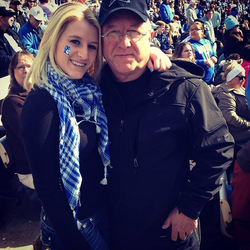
x=40, y=99
x=13, y=100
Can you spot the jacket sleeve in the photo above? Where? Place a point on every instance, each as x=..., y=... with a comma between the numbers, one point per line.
x=227, y=105
x=212, y=150
x=39, y=128
x=28, y=41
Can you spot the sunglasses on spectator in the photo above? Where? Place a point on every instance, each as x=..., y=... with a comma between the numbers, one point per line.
x=38, y=21
x=241, y=77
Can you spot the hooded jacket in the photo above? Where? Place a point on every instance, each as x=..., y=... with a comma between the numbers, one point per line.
x=173, y=120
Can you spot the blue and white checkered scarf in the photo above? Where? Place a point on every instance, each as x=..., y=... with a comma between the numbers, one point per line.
x=70, y=96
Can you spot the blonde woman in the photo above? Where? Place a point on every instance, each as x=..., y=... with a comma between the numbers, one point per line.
x=64, y=130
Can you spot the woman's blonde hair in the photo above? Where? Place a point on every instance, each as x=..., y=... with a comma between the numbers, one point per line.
x=65, y=14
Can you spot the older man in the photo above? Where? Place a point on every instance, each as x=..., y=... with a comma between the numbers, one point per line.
x=31, y=32
x=157, y=123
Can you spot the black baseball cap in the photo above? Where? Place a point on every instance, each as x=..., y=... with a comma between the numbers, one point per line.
x=4, y=12
x=108, y=7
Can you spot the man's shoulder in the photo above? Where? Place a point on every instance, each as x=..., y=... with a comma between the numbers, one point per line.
x=182, y=70
x=24, y=28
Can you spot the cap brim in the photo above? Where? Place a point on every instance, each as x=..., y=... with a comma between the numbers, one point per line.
x=105, y=17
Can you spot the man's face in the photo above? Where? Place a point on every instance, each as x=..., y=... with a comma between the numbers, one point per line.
x=209, y=15
x=7, y=22
x=35, y=23
x=127, y=58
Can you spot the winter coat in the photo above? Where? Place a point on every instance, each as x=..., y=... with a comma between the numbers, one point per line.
x=233, y=104
x=172, y=120
x=6, y=52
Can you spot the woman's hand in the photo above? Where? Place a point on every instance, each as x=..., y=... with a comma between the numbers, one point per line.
x=158, y=60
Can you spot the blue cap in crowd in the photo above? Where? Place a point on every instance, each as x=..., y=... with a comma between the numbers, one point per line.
x=231, y=22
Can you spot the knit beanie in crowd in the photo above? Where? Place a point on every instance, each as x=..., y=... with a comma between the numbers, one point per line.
x=231, y=22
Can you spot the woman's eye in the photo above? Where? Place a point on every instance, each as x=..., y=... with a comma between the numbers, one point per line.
x=92, y=47
x=75, y=42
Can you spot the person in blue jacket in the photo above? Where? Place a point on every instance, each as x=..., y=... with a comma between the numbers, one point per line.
x=30, y=31
x=205, y=55
x=166, y=14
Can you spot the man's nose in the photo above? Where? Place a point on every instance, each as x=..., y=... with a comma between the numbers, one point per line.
x=124, y=41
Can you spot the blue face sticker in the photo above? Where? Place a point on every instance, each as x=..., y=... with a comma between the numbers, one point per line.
x=66, y=50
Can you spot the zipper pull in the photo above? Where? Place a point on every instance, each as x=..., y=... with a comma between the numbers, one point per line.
x=121, y=125
x=136, y=165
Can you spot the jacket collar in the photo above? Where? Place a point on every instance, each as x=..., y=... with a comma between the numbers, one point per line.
x=160, y=82
x=229, y=89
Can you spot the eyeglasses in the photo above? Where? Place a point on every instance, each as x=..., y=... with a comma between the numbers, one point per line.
x=195, y=29
x=241, y=78
x=22, y=68
x=38, y=21
x=115, y=36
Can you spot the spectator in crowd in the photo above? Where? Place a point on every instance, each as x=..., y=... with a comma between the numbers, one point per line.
x=231, y=100
x=191, y=13
x=16, y=5
x=184, y=30
x=234, y=40
x=166, y=13
x=48, y=7
x=216, y=18
x=184, y=50
x=27, y=6
x=171, y=6
x=219, y=76
x=240, y=198
x=156, y=122
x=200, y=9
x=11, y=112
x=234, y=11
x=220, y=33
x=205, y=55
x=154, y=40
x=175, y=29
x=163, y=38
x=29, y=32
x=70, y=181
x=245, y=56
x=209, y=29
x=10, y=41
